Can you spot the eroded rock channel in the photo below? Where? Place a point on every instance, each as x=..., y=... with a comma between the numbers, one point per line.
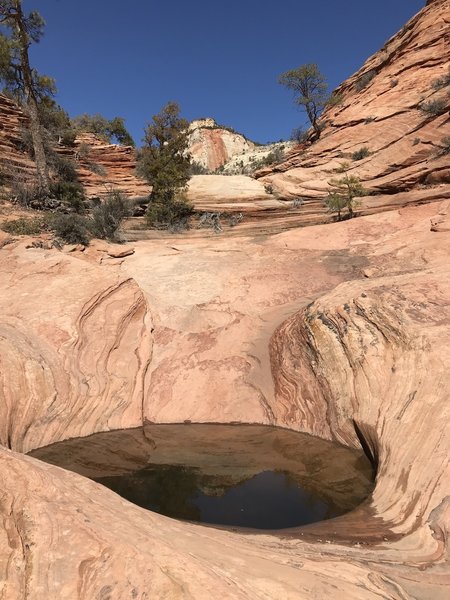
x=230, y=475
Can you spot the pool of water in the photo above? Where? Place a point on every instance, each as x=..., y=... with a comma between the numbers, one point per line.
x=230, y=475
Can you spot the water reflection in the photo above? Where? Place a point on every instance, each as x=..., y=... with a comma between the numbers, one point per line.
x=247, y=476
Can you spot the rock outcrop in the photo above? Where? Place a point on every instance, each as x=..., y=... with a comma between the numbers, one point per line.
x=102, y=166
x=14, y=162
x=394, y=111
x=339, y=330
x=212, y=145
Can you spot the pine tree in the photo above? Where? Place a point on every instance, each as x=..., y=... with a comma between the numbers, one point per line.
x=310, y=91
x=165, y=163
x=19, y=78
x=344, y=195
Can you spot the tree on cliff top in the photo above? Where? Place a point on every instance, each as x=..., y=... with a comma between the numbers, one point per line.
x=165, y=163
x=22, y=81
x=109, y=130
x=310, y=91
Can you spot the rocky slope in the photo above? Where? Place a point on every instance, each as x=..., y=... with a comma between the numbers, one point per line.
x=397, y=107
x=338, y=330
x=211, y=145
x=408, y=157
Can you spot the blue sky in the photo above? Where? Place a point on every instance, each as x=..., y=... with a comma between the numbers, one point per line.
x=216, y=58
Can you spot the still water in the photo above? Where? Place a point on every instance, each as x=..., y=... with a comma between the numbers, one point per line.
x=230, y=475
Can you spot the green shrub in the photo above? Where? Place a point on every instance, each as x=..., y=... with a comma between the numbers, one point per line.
x=335, y=100
x=24, y=226
x=434, y=107
x=70, y=229
x=25, y=194
x=70, y=194
x=363, y=152
x=96, y=168
x=394, y=82
x=84, y=150
x=342, y=168
x=108, y=216
x=416, y=141
x=68, y=137
x=172, y=214
x=441, y=82
x=344, y=195
x=64, y=167
x=445, y=148
x=365, y=79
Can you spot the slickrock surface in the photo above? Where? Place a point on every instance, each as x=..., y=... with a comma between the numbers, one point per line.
x=338, y=330
x=211, y=145
x=341, y=331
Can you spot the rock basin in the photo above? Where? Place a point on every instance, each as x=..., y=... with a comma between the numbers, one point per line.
x=231, y=475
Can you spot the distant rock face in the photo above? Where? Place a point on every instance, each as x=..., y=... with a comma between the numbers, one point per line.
x=211, y=145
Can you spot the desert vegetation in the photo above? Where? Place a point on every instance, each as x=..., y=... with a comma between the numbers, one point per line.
x=166, y=165
x=344, y=195
x=310, y=92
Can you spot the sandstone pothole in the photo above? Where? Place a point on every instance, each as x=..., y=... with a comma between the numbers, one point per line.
x=230, y=475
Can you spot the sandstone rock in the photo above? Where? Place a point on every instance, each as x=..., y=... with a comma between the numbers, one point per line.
x=279, y=330
x=103, y=167
x=74, y=248
x=211, y=145
x=234, y=330
x=13, y=161
x=120, y=251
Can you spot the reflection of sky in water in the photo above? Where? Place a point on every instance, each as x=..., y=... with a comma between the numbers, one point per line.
x=268, y=500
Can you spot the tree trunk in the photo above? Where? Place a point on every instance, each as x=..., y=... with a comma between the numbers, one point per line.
x=31, y=101
x=312, y=116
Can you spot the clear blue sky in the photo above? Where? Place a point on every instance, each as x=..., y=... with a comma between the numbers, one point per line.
x=218, y=58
